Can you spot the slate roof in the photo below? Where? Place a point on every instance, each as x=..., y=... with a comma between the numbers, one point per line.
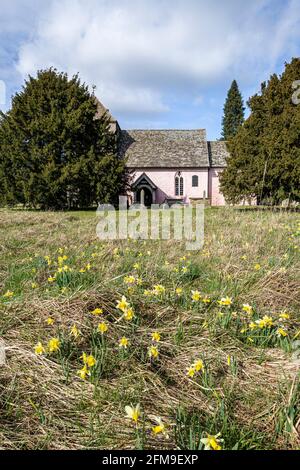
x=217, y=153
x=164, y=148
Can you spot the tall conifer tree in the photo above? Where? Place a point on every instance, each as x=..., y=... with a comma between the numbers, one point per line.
x=234, y=111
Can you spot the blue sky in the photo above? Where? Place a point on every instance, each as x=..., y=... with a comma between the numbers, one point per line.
x=156, y=64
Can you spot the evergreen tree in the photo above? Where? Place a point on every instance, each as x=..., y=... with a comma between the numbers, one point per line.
x=265, y=153
x=54, y=153
x=234, y=111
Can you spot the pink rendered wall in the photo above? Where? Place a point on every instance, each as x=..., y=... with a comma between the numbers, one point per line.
x=164, y=179
x=217, y=198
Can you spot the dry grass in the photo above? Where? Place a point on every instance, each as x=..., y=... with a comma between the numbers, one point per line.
x=253, y=401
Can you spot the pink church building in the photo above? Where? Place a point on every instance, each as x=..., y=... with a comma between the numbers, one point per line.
x=169, y=166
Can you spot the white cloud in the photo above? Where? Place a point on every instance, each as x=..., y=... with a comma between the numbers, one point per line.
x=138, y=52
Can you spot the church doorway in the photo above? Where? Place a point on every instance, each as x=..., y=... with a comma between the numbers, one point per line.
x=144, y=196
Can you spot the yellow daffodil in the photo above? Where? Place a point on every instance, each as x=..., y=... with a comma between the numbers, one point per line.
x=184, y=269
x=206, y=300
x=88, y=360
x=75, y=332
x=191, y=371
x=228, y=360
x=88, y=267
x=153, y=352
x=160, y=427
x=128, y=314
x=196, y=296
x=53, y=345
x=129, y=280
x=179, y=291
x=257, y=267
x=61, y=260
x=198, y=365
x=122, y=304
x=47, y=258
x=83, y=373
x=39, y=349
x=136, y=266
x=124, y=343
x=281, y=332
x=34, y=285
x=133, y=412
x=225, y=301
x=156, y=336
x=49, y=321
x=265, y=322
x=51, y=279
x=102, y=328
x=158, y=289
x=212, y=442
x=284, y=316
x=247, y=308
x=8, y=294
x=97, y=311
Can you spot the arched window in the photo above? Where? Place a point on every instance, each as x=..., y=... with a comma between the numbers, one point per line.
x=195, y=181
x=178, y=185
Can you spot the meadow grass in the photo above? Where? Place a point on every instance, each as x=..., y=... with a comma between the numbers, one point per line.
x=225, y=357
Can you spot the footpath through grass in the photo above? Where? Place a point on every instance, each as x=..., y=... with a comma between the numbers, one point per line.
x=192, y=344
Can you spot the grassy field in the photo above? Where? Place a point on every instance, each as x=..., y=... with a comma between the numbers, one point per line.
x=205, y=343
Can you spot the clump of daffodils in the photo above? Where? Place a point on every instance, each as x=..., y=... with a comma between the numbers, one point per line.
x=197, y=366
x=132, y=280
x=89, y=362
x=265, y=322
x=158, y=290
x=124, y=306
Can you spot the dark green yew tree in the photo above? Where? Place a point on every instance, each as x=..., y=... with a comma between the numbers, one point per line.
x=264, y=157
x=54, y=153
